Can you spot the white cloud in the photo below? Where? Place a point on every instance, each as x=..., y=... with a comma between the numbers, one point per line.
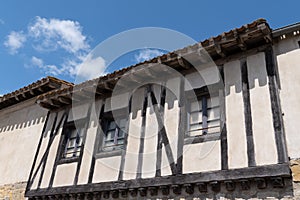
x=51, y=34
x=84, y=69
x=37, y=61
x=64, y=36
x=147, y=54
x=48, y=69
x=14, y=41
x=90, y=68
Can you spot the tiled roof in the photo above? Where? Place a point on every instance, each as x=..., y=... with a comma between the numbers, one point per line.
x=228, y=43
x=37, y=88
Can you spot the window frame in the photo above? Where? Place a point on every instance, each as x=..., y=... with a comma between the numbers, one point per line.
x=199, y=93
x=104, y=120
x=66, y=133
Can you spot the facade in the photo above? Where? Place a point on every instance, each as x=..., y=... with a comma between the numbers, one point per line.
x=21, y=123
x=213, y=120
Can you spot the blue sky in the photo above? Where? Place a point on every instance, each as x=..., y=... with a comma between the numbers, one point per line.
x=41, y=38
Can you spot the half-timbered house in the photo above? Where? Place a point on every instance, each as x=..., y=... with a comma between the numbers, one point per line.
x=213, y=120
x=21, y=123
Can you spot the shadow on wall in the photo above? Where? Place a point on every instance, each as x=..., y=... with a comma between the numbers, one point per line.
x=21, y=120
x=249, y=73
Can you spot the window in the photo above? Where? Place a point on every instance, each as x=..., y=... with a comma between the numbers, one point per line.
x=113, y=132
x=203, y=116
x=73, y=140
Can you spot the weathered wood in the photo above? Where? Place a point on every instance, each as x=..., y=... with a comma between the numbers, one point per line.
x=276, y=107
x=202, y=138
x=143, y=132
x=159, y=138
x=122, y=165
x=277, y=170
x=182, y=125
x=163, y=133
x=247, y=114
x=223, y=127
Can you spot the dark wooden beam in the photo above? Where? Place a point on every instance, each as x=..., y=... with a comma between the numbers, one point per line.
x=212, y=177
x=247, y=114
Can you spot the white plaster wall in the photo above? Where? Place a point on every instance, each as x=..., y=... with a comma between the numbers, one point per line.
x=289, y=73
x=87, y=155
x=150, y=144
x=262, y=121
x=202, y=157
x=133, y=144
x=117, y=101
x=107, y=169
x=65, y=174
x=165, y=166
x=205, y=76
x=89, y=145
x=20, y=129
x=236, y=135
x=78, y=111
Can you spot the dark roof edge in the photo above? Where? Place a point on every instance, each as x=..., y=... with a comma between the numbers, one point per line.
x=255, y=33
x=286, y=29
x=35, y=89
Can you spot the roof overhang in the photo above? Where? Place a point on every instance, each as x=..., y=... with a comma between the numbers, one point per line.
x=33, y=90
x=247, y=37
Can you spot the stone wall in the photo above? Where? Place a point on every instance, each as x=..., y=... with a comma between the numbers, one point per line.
x=295, y=167
x=13, y=191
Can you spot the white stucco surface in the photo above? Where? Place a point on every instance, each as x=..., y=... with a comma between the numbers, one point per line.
x=133, y=143
x=262, y=121
x=202, y=157
x=150, y=145
x=289, y=72
x=65, y=174
x=107, y=169
x=20, y=129
x=236, y=135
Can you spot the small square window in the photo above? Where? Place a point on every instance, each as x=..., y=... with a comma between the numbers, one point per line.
x=203, y=116
x=73, y=140
x=113, y=133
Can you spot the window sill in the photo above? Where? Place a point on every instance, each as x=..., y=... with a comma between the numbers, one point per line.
x=68, y=160
x=105, y=154
x=202, y=138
